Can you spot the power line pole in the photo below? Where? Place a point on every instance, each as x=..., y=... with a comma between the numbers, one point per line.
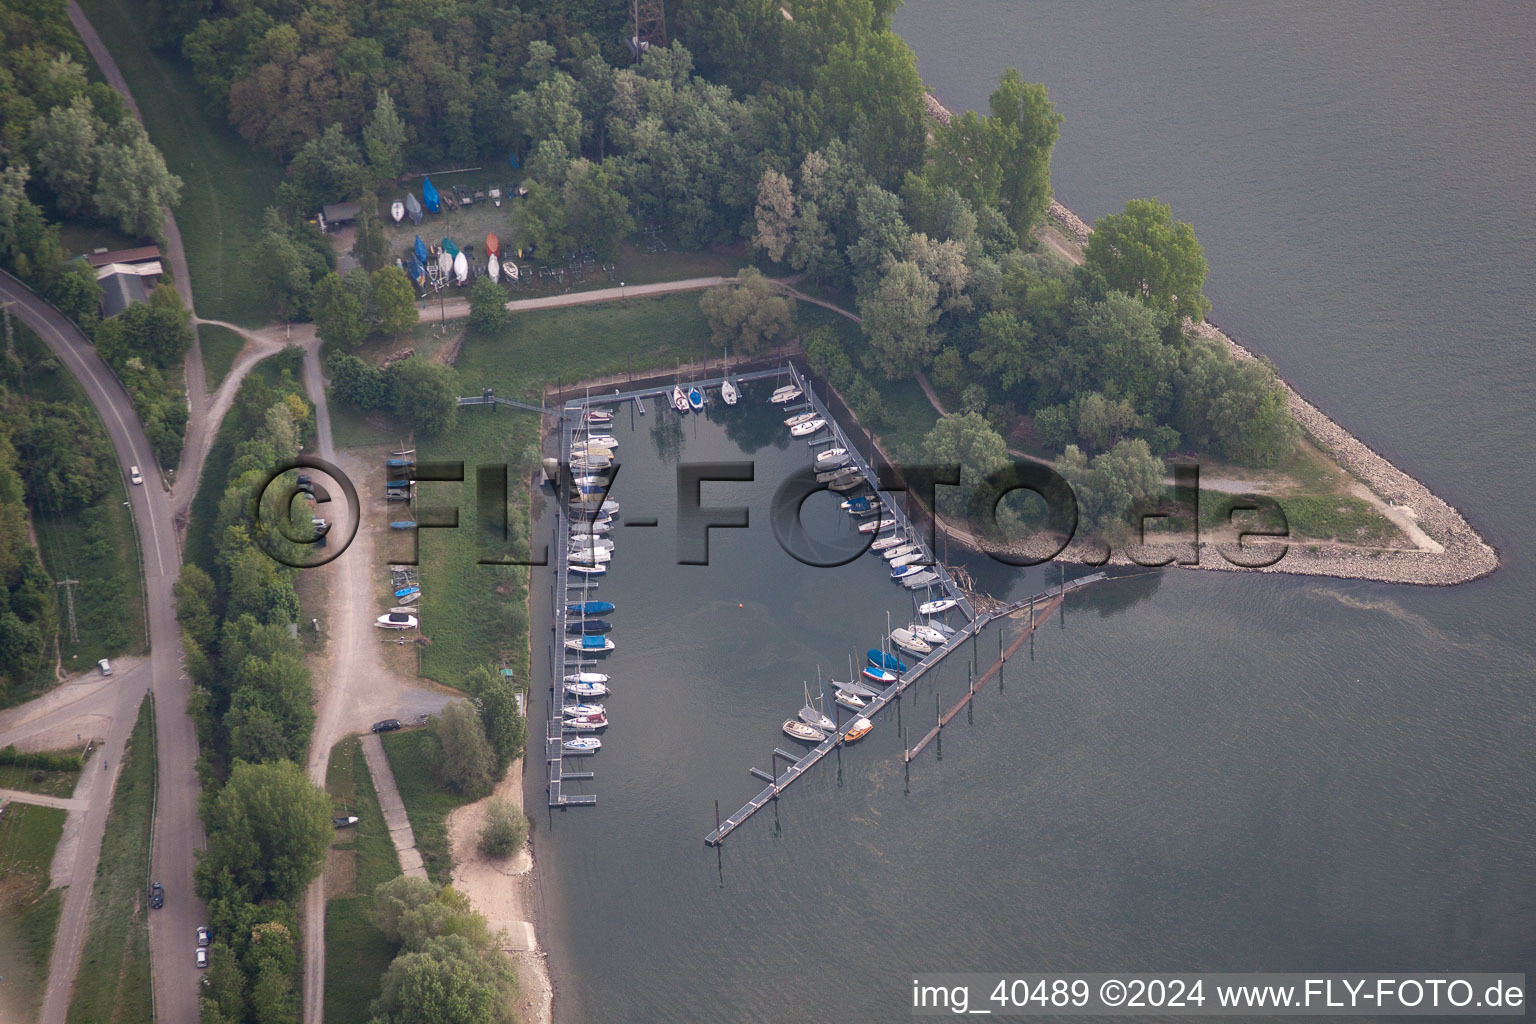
x=69, y=602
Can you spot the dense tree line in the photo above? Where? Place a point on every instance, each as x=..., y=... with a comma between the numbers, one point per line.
x=28, y=609
x=145, y=344
x=268, y=825
x=69, y=149
x=421, y=394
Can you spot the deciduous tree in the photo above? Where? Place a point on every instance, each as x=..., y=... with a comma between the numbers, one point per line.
x=749, y=315
x=1148, y=254
x=898, y=318
x=775, y=215
x=269, y=827
x=462, y=759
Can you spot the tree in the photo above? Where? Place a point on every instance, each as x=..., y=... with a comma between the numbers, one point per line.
x=393, y=302
x=1236, y=409
x=424, y=395
x=357, y=383
x=384, y=139
x=269, y=827
x=284, y=267
x=65, y=141
x=449, y=982
x=326, y=169
x=750, y=315
x=775, y=215
x=133, y=186
x=505, y=829
x=881, y=233
x=487, y=306
x=339, y=315
x=898, y=319
x=1146, y=253
x=814, y=249
x=1114, y=482
x=195, y=597
x=371, y=248
x=1032, y=129
x=395, y=899
x=874, y=98
x=596, y=211
x=1006, y=349
x=505, y=729
x=462, y=759
x=968, y=441
x=538, y=222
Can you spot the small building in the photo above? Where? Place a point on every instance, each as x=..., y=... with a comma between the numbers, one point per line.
x=143, y=254
x=334, y=215
x=119, y=291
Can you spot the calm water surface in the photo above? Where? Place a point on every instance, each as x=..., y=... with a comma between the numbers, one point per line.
x=1195, y=771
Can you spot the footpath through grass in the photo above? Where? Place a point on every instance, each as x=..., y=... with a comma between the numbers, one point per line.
x=427, y=804
x=356, y=953
x=220, y=347
x=29, y=910
x=226, y=183
x=113, y=981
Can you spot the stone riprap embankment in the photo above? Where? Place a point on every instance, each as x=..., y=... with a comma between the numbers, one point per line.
x=1465, y=555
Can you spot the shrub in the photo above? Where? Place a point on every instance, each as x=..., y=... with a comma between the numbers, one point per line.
x=505, y=829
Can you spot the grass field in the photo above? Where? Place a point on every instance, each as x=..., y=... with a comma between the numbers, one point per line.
x=356, y=952
x=426, y=803
x=113, y=982
x=220, y=347
x=226, y=183
x=35, y=780
x=29, y=910
x=95, y=545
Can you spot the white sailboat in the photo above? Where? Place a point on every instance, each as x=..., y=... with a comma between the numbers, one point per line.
x=728, y=393
x=936, y=607
x=397, y=211
x=831, y=457
x=493, y=268
x=808, y=427
x=799, y=418
x=787, y=393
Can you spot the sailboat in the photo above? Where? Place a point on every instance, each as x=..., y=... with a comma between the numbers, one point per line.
x=590, y=644
x=679, y=399
x=589, y=608
x=848, y=698
x=936, y=607
x=876, y=525
x=594, y=724
x=582, y=710
x=493, y=268
x=584, y=625
x=927, y=633
x=586, y=690
x=397, y=211
x=831, y=457
x=813, y=716
x=787, y=393
x=807, y=428
x=695, y=397
x=922, y=579
x=889, y=541
x=903, y=572
x=799, y=418
x=883, y=676
x=879, y=658
x=909, y=559
x=582, y=745
x=413, y=208
x=889, y=554
x=430, y=197
x=461, y=268
x=728, y=393
x=904, y=639
x=798, y=730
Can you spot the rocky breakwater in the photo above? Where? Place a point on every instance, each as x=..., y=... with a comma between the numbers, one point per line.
x=1447, y=548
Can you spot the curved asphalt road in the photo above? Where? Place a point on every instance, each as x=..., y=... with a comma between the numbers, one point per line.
x=178, y=829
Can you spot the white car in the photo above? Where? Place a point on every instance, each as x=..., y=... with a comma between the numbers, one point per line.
x=105, y=666
x=134, y=476
x=203, y=936
x=202, y=957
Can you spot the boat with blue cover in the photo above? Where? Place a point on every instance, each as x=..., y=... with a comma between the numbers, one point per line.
x=589, y=608
x=430, y=197
x=880, y=659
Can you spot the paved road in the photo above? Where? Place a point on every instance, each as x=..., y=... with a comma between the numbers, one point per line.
x=63, y=803
x=178, y=830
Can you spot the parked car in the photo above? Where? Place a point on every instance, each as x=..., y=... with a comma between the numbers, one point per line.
x=388, y=725
x=305, y=483
x=105, y=665
x=156, y=896
x=134, y=476
x=203, y=936
x=202, y=957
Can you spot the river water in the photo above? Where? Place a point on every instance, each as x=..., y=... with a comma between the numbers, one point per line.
x=1195, y=771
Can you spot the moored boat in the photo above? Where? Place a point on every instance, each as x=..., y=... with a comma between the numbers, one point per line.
x=926, y=633
x=831, y=457
x=876, y=525
x=582, y=745
x=597, y=723
x=883, y=676
x=799, y=418
x=589, y=644
x=910, y=558
x=587, y=570
x=881, y=659
x=896, y=552
x=935, y=607
x=807, y=428
x=588, y=627
x=582, y=710
x=679, y=399
x=848, y=699
x=887, y=542
x=787, y=393
x=922, y=579
x=586, y=690
x=798, y=730
x=858, y=729
x=912, y=645
x=813, y=716
x=902, y=572
x=590, y=608
x=695, y=398
x=728, y=393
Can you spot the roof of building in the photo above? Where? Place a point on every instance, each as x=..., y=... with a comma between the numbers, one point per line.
x=119, y=291
x=150, y=269
x=338, y=213
x=139, y=255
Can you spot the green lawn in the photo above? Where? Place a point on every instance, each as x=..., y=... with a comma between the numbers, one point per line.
x=29, y=910
x=426, y=803
x=220, y=347
x=356, y=952
x=113, y=982
x=226, y=183
x=36, y=780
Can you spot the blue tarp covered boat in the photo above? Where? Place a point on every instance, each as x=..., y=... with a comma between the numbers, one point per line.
x=417, y=272
x=403, y=524
x=589, y=626
x=589, y=608
x=880, y=659
x=429, y=196
x=450, y=248
x=420, y=250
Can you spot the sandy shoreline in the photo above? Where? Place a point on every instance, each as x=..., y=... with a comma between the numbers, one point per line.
x=1465, y=555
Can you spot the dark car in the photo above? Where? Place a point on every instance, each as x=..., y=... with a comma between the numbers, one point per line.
x=305, y=483
x=156, y=896
x=388, y=725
